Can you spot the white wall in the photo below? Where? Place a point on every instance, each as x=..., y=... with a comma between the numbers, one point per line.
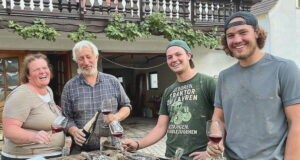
x=282, y=24
x=297, y=35
x=211, y=62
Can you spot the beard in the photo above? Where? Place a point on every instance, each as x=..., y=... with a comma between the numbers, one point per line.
x=87, y=73
x=245, y=55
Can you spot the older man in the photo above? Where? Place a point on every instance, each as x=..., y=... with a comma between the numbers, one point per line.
x=83, y=95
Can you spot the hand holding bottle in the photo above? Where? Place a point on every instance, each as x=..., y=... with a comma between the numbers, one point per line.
x=79, y=137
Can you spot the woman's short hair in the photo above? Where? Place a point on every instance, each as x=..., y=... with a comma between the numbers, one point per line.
x=82, y=44
x=29, y=58
x=261, y=40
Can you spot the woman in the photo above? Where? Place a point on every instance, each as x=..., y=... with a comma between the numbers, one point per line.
x=28, y=113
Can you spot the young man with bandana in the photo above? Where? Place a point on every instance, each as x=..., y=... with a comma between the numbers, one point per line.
x=257, y=98
x=186, y=106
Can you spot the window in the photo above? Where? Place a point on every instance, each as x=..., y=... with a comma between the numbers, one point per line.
x=9, y=76
x=153, y=80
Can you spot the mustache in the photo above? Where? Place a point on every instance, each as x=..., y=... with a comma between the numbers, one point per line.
x=81, y=70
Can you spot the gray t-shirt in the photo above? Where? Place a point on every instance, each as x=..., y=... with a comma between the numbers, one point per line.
x=253, y=100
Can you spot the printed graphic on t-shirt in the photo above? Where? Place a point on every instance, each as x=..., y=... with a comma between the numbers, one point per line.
x=179, y=113
x=179, y=109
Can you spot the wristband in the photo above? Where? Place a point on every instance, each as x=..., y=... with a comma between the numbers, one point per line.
x=138, y=145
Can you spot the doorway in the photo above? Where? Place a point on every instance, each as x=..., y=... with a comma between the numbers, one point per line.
x=133, y=71
x=61, y=71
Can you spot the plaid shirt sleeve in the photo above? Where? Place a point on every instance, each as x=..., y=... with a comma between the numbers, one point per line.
x=67, y=107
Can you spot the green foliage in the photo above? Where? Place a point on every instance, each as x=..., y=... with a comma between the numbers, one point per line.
x=184, y=31
x=118, y=29
x=157, y=24
x=38, y=30
x=81, y=34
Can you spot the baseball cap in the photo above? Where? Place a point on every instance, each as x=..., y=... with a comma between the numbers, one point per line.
x=179, y=43
x=248, y=17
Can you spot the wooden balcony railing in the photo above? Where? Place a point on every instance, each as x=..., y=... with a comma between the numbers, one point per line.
x=198, y=12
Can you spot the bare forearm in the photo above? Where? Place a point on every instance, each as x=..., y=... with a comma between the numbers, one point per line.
x=218, y=115
x=123, y=113
x=293, y=140
x=293, y=143
x=156, y=134
x=19, y=135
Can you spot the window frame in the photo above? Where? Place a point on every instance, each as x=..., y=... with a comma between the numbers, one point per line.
x=153, y=79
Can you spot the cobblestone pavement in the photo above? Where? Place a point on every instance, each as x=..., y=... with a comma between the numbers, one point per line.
x=136, y=128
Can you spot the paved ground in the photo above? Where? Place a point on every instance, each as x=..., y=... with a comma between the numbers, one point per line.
x=136, y=128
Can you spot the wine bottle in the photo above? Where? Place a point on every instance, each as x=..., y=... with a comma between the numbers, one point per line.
x=88, y=130
x=90, y=126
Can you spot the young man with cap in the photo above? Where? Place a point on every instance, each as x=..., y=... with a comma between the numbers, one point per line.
x=257, y=98
x=186, y=106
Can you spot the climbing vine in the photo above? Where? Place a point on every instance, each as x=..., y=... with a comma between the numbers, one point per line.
x=81, y=34
x=157, y=24
x=119, y=29
x=38, y=30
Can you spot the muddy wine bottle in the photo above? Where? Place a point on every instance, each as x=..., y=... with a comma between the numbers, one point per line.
x=88, y=130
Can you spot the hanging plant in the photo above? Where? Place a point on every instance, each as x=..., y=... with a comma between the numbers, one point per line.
x=81, y=34
x=118, y=29
x=38, y=30
x=184, y=31
x=157, y=24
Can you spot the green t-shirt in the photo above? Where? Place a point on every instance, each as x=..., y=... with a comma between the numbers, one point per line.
x=189, y=105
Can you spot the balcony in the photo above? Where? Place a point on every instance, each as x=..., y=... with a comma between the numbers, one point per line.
x=201, y=13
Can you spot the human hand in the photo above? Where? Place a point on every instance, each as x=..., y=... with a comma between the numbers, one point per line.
x=199, y=155
x=41, y=137
x=59, y=108
x=215, y=150
x=79, y=137
x=109, y=118
x=130, y=145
